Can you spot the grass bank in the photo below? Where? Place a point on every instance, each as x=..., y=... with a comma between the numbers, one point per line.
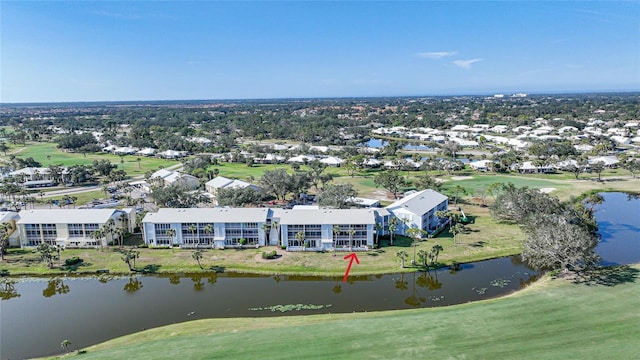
x=484, y=239
x=552, y=319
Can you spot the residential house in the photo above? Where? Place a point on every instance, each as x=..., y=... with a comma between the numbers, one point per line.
x=481, y=165
x=220, y=182
x=165, y=177
x=332, y=161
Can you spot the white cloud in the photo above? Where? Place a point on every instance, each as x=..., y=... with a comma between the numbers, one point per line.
x=436, y=55
x=465, y=64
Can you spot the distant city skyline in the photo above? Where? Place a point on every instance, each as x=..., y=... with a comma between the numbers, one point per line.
x=64, y=51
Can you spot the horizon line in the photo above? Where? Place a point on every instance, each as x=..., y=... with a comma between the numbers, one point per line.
x=479, y=94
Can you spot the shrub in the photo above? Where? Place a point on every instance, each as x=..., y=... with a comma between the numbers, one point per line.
x=243, y=241
x=73, y=261
x=144, y=246
x=269, y=255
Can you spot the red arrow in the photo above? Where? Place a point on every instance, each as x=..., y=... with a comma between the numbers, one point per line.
x=351, y=257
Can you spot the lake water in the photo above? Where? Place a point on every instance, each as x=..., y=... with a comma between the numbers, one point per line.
x=619, y=227
x=38, y=314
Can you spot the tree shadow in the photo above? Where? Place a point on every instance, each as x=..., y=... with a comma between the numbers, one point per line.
x=149, y=269
x=74, y=267
x=477, y=244
x=217, y=269
x=608, y=276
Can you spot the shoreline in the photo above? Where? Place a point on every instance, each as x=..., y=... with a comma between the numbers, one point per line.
x=97, y=274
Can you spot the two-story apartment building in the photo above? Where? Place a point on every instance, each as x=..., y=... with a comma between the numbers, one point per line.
x=71, y=227
x=419, y=210
x=206, y=227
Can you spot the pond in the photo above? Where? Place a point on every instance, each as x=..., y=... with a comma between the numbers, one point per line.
x=619, y=226
x=36, y=315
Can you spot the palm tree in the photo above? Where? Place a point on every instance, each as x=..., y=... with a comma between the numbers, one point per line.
x=129, y=257
x=98, y=235
x=423, y=256
x=120, y=234
x=352, y=233
x=455, y=230
x=404, y=222
x=393, y=225
x=402, y=255
x=197, y=256
x=5, y=230
x=208, y=229
x=124, y=220
x=171, y=233
x=109, y=228
x=435, y=251
x=379, y=229
x=192, y=228
x=300, y=238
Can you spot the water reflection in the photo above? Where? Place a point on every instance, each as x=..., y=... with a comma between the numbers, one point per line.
x=54, y=287
x=133, y=285
x=8, y=289
x=427, y=280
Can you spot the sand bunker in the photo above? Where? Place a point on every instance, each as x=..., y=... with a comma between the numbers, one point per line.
x=547, y=190
x=461, y=177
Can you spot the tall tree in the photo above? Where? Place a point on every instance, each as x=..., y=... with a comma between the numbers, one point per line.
x=393, y=226
x=402, y=255
x=276, y=183
x=390, y=180
x=197, y=256
x=5, y=230
x=339, y=196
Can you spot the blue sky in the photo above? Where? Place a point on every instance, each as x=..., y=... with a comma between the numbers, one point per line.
x=161, y=50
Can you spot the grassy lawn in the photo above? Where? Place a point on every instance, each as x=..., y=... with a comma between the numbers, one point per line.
x=552, y=319
x=484, y=239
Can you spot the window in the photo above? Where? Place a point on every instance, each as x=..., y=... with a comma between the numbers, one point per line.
x=235, y=231
x=351, y=235
x=49, y=233
x=161, y=234
x=33, y=234
x=76, y=231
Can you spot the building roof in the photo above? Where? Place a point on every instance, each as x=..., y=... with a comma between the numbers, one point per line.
x=31, y=171
x=418, y=203
x=364, y=201
x=162, y=173
x=207, y=215
x=66, y=216
x=7, y=216
x=327, y=216
x=221, y=182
